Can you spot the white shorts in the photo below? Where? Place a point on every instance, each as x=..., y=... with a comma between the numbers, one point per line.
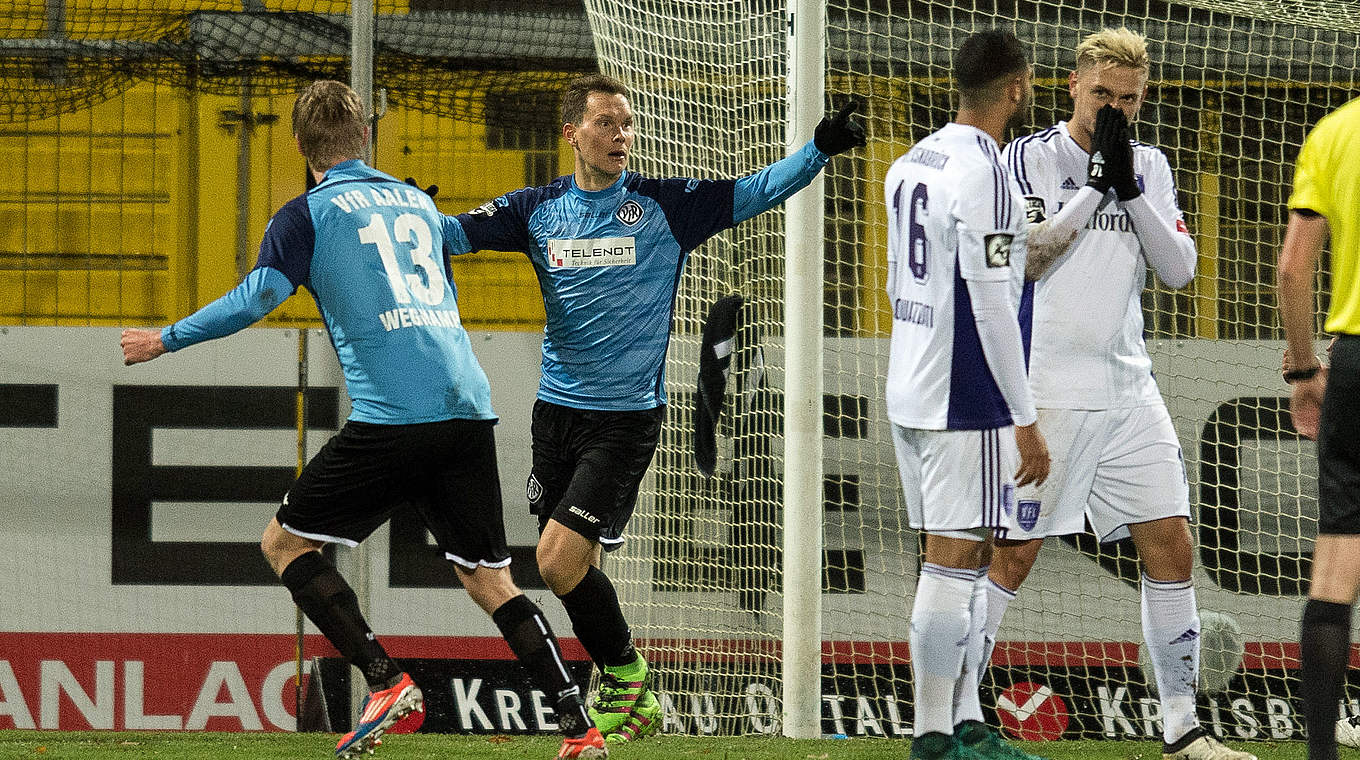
x=958, y=482
x=1112, y=466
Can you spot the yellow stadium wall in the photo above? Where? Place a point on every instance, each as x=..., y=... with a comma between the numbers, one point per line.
x=127, y=213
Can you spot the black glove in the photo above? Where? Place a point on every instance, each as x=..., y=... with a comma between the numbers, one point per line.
x=837, y=134
x=431, y=191
x=1119, y=162
x=1102, y=143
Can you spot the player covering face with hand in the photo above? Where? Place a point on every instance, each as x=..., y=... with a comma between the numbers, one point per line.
x=1103, y=210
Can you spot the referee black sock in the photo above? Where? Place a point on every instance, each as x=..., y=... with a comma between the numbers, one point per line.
x=597, y=620
x=1324, y=652
x=330, y=603
x=532, y=640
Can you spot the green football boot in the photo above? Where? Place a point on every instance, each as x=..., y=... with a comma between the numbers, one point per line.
x=983, y=741
x=623, y=692
x=938, y=746
x=643, y=721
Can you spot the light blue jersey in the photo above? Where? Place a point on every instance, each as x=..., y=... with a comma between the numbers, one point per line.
x=370, y=250
x=609, y=263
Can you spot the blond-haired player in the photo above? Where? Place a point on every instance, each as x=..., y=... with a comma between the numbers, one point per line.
x=1105, y=207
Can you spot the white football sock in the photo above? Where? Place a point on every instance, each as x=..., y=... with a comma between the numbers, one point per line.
x=940, y=622
x=998, y=598
x=966, y=703
x=1171, y=630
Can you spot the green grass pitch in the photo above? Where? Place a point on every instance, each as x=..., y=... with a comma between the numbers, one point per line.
x=105, y=745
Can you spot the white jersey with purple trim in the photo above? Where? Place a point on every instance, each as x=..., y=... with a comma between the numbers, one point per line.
x=954, y=215
x=1087, y=348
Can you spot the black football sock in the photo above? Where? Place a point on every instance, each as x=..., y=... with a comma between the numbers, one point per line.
x=597, y=620
x=532, y=640
x=1324, y=652
x=330, y=603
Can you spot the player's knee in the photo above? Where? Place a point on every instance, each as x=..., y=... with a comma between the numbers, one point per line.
x=562, y=573
x=489, y=587
x=272, y=547
x=1012, y=562
x=1166, y=550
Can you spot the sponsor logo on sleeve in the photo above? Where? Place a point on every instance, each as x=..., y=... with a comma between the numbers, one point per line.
x=486, y=209
x=998, y=250
x=1181, y=228
x=599, y=252
x=629, y=213
x=1034, y=209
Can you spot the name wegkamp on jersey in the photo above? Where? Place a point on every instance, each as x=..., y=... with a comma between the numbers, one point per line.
x=360, y=199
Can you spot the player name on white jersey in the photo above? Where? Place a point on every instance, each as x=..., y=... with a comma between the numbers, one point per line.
x=394, y=319
x=356, y=199
x=598, y=252
x=914, y=312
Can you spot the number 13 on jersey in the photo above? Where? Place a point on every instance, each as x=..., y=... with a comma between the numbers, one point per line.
x=415, y=233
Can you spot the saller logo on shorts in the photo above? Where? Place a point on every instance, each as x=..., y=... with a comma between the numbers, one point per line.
x=532, y=490
x=599, y=252
x=584, y=515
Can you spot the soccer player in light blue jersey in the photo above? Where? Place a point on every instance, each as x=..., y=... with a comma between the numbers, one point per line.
x=609, y=246
x=369, y=248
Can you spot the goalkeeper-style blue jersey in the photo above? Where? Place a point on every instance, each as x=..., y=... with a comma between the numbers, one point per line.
x=609, y=263
x=369, y=248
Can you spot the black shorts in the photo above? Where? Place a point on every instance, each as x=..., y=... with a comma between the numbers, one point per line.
x=1339, y=442
x=446, y=470
x=588, y=465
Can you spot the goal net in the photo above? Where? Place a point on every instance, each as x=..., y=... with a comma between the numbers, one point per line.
x=1234, y=87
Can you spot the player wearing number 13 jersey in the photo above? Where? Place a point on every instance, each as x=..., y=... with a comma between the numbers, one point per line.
x=960, y=406
x=371, y=251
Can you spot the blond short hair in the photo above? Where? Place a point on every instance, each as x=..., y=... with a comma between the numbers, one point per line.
x=328, y=120
x=1114, y=47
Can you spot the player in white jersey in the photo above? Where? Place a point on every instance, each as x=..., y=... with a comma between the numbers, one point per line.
x=962, y=413
x=1107, y=206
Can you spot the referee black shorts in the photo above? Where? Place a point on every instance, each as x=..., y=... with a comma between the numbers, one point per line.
x=588, y=465
x=446, y=470
x=1339, y=442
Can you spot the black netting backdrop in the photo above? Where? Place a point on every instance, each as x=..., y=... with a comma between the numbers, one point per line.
x=437, y=57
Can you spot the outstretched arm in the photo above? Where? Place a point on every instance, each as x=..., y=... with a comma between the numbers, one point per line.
x=258, y=294
x=772, y=185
